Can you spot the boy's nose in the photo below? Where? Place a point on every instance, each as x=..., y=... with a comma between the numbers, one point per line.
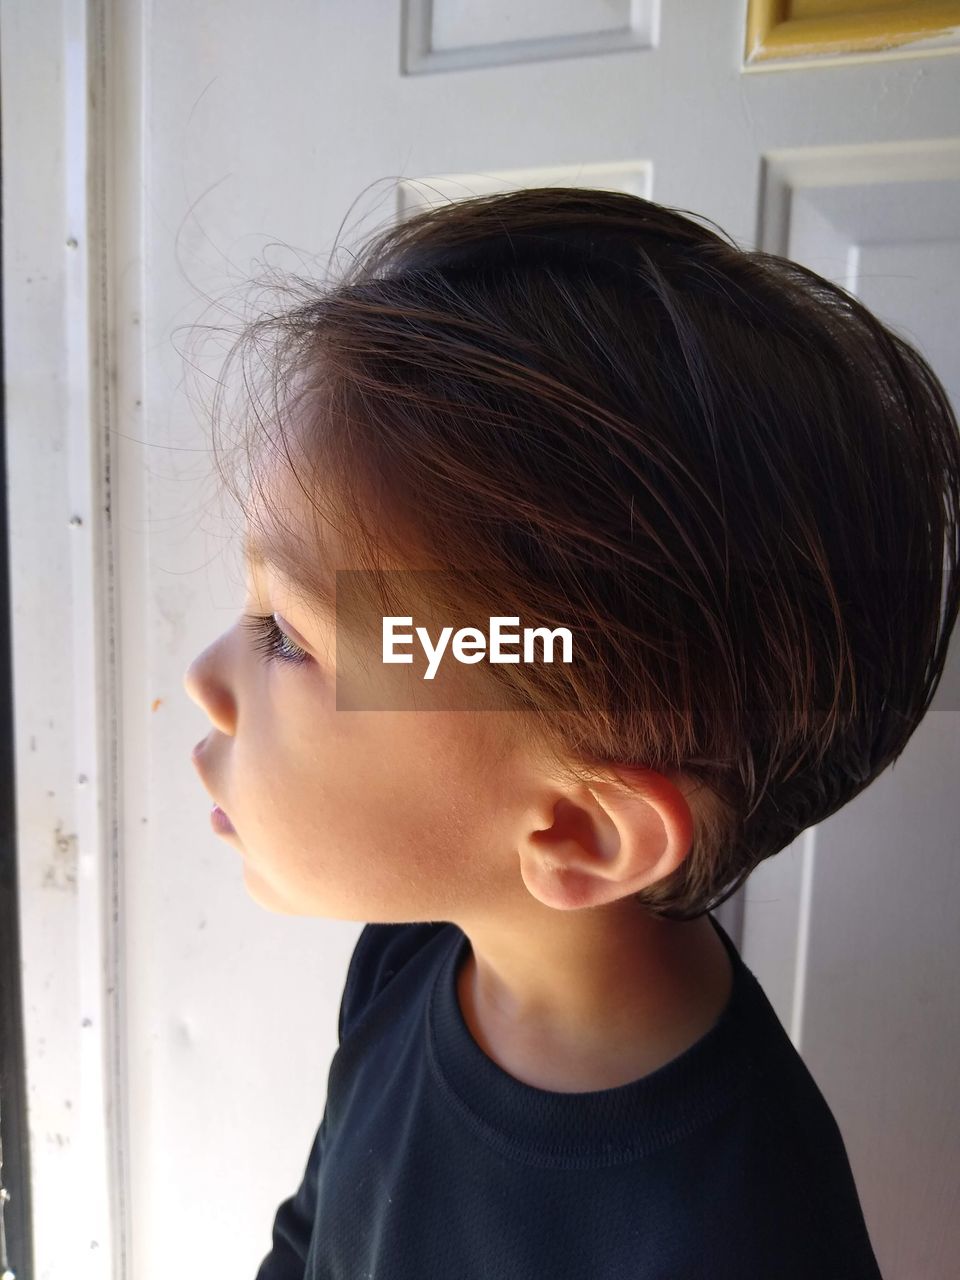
x=199, y=679
x=190, y=682
x=204, y=681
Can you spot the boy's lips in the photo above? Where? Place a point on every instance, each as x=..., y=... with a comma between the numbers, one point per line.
x=220, y=822
x=218, y=818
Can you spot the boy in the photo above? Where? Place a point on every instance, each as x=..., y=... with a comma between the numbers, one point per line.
x=735, y=487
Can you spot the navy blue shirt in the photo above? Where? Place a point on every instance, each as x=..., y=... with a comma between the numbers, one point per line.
x=433, y=1163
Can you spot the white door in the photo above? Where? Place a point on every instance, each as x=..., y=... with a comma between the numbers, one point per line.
x=178, y=1035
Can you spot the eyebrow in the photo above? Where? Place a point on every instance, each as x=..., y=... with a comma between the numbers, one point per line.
x=254, y=551
x=321, y=594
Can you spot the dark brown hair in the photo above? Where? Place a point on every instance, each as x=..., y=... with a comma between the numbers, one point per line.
x=735, y=484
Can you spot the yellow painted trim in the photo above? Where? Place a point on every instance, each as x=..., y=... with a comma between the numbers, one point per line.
x=772, y=33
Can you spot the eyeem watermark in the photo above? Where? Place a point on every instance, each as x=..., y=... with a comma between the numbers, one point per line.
x=470, y=645
x=406, y=641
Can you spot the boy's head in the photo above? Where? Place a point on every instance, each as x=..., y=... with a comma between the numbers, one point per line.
x=737, y=488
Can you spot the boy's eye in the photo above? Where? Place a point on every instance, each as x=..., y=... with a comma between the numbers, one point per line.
x=272, y=643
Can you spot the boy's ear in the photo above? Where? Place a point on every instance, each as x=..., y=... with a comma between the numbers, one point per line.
x=590, y=845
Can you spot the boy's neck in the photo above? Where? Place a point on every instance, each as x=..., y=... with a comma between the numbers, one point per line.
x=617, y=1012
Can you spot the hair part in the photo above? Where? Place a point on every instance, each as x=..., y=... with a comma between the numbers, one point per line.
x=736, y=485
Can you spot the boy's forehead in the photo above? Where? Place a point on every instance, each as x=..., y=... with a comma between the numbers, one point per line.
x=292, y=537
x=298, y=559
x=287, y=532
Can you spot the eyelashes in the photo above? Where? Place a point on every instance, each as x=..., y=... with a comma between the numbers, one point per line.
x=271, y=643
